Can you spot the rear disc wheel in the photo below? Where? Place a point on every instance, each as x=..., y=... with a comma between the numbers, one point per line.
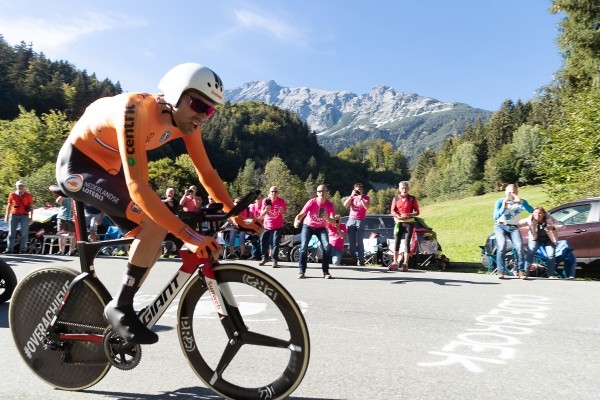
x=75, y=365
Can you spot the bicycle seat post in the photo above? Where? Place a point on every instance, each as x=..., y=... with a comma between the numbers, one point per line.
x=81, y=234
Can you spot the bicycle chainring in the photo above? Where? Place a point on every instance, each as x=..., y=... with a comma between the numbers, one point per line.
x=120, y=353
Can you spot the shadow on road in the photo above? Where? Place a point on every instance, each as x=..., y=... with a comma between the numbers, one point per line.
x=195, y=392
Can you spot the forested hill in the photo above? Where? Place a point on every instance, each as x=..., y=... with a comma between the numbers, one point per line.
x=31, y=80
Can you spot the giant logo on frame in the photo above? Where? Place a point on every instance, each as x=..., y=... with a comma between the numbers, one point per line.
x=74, y=183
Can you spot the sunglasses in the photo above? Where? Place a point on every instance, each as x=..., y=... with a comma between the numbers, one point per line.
x=200, y=107
x=321, y=191
x=274, y=191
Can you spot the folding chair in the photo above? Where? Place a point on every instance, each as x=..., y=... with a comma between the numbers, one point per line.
x=112, y=232
x=489, y=256
x=315, y=253
x=563, y=255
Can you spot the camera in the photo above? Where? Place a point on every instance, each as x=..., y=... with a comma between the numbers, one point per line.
x=268, y=202
x=356, y=192
x=190, y=191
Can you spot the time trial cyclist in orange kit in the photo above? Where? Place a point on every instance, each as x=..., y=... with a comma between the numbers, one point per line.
x=104, y=163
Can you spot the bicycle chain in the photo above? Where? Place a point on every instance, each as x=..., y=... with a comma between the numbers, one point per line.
x=82, y=326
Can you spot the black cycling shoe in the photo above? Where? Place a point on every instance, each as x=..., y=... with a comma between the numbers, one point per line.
x=127, y=324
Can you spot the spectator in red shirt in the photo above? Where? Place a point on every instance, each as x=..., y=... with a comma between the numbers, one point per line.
x=404, y=208
x=19, y=212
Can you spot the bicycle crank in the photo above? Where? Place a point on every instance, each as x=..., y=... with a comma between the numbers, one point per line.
x=120, y=353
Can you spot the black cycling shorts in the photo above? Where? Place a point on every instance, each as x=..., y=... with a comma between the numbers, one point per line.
x=83, y=179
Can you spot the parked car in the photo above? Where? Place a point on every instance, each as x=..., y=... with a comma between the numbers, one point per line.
x=382, y=226
x=582, y=228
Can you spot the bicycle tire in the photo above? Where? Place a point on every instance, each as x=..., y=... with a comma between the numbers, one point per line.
x=33, y=306
x=8, y=281
x=256, y=372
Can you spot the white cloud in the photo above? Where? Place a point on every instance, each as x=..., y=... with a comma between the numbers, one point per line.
x=283, y=30
x=54, y=39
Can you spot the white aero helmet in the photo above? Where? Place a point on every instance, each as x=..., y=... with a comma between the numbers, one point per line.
x=191, y=76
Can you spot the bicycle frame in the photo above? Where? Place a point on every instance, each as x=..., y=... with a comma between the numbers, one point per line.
x=150, y=314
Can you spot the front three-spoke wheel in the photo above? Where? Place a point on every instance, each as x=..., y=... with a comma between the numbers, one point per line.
x=265, y=356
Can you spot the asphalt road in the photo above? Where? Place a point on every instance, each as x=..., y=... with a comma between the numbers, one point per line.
x=379, y=335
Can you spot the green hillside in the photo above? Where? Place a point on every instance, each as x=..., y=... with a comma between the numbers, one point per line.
x=463, y=225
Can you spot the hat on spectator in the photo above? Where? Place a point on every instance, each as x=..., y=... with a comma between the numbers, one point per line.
x=20, y=182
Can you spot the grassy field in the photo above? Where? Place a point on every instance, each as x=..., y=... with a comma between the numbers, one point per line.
x=464, y=225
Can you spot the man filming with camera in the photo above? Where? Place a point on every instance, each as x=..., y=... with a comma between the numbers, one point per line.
x=358, y=203
x=19, y=211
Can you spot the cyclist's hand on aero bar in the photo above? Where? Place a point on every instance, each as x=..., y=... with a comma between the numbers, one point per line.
x=253, y=225
x=207, y=248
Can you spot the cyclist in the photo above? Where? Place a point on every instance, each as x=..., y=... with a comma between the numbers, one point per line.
x=104, y=163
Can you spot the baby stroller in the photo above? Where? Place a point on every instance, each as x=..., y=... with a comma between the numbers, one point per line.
x=424, y=249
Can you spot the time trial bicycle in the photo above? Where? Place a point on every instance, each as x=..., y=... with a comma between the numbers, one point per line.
x=241, y=331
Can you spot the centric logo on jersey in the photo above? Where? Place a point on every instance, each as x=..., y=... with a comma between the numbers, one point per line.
x=74, y=183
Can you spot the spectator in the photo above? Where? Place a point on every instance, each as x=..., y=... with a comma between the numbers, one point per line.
x=65, y=225
x=543, y=231
x=190, y=206
x=337, y=233
x=19, y=213
x=236, y=233
x=93, y=219
x=358, y=203
x=254, y=212
x=272, y=211
x=506, y=225
x=171, y=201
x=315, y=215
x=171, y=243
x=404, y=208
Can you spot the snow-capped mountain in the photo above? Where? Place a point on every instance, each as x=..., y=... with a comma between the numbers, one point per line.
x=342, y=117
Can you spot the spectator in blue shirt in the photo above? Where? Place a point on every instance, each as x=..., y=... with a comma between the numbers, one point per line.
x=507, y=211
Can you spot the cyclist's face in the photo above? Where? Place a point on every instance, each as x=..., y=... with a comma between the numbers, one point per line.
x=186, y=116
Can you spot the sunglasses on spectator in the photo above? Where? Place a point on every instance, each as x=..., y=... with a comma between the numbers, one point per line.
x=321, y=191
x=200, y=107
x=274, y=191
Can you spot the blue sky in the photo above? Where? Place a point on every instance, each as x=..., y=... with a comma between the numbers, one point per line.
x=478, y=52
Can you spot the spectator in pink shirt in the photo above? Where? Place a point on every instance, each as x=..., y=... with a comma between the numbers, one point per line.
x=254, y=212
x=337, y=233
x=190, y=206
x=358, y=203
x=315, y=215
x=272, y=212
